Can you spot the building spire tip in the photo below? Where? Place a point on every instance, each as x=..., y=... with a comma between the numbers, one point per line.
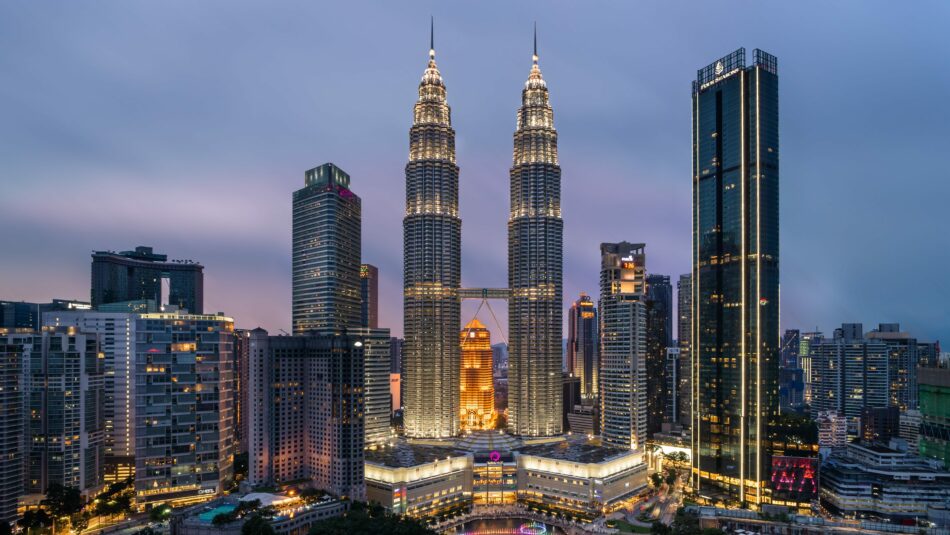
x=534, y=57
x=431, y=37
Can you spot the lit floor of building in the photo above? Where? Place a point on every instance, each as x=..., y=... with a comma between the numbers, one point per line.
x=568, y=474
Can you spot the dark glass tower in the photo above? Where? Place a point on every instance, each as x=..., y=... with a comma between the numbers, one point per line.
x=326, y=252
x=432, y=236
x=139, y=274
x=369, y=296
x=582, y=342
x=735, y=275
x=659, y=308
x=535, y=265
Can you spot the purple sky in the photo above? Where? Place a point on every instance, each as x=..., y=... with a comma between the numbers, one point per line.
x=186, y=126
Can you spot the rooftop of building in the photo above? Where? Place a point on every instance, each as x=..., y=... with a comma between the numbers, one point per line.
x=574, y=448
x=405, y=454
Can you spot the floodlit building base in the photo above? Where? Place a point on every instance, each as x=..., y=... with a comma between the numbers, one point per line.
x=570, y=475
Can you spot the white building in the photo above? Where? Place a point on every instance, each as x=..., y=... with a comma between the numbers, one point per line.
x=116, y=332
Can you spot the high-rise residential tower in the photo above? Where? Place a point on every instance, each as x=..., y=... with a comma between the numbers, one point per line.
x=12, y=425
x=326, y=252
x=145, y=275
x=369, y=296
x=477, y=387
x=623, y=325
x=582, y=342
x=184, y=407
x=535, y=266
x=432, y=241
x=735, y=275
x=116, y=331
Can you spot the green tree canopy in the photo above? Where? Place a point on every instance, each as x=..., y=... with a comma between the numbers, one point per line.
x=257, y=525
x=62, y=501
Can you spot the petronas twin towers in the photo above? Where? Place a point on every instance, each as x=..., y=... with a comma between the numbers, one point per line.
x=432, y=233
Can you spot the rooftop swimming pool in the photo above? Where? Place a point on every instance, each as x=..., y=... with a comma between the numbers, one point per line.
x=208, y=516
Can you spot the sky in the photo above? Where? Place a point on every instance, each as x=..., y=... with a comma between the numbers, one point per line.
x=186, y=126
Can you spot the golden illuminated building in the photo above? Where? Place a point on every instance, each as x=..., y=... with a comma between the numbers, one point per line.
x=476, y=386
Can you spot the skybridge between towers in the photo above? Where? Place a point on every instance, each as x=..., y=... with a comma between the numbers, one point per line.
x=484, y=293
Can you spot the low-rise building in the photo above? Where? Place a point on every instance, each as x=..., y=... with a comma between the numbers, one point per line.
x=573, y=475
x=291, y=515
x=870, y=480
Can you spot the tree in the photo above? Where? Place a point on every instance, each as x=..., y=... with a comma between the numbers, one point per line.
x=659, y=528
x=685, y=523
x=35, y=518
x=159, y=512
x=657, y=479
x=257, y=525
x=369, y=520
x=62, y=501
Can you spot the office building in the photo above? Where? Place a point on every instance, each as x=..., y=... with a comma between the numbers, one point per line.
x=582, y=345
x=184, y=407
x=909, y=430
x=903, y=360
x=308, y=394
x=672, y=403
x=570, y=398
x=63, y=397
x=684, y=329
x=623, y=380
x=832, y=429
x=875, y=481
x=849, y=373
x=880, y=424
x=805, y=362
x=659, y=307
x=326, y=252
x=145, y=275
x=116, y=334
x=12, y=425
x=934, y=384
x=369, y=296
x=432, y=263
x=735, y=275
x=376, y=384
x=791, y=380
x=535, y=267
x=476, y=384
x=23, y=316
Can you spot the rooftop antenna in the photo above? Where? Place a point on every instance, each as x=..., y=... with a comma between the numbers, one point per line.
x=535, y=56
x=431, y=37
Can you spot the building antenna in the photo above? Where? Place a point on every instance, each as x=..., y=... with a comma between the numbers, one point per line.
x=431, y=36
x=535, y=56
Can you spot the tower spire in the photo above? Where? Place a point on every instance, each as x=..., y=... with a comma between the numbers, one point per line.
x=431, y=37
x=535, y=56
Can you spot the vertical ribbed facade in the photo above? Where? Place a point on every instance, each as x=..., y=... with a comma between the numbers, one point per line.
x=535, y=266
x=326, y=252
x=582, y=346
x=735, y=282
x=432, y=235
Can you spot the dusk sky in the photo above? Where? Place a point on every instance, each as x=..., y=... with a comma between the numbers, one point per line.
x=187, y=126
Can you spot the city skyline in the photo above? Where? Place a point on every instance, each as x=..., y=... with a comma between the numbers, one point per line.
x=842, y=287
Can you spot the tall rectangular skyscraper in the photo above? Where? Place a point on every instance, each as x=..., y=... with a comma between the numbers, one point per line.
x=12, y=420
x=326, y=252
x=583, y=340
x=735, y=275
x=623, y=324
x=684, y=332
x=659, y=303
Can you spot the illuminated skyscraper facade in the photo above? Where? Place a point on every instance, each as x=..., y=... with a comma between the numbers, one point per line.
x=684, y=330
x=326, y=252
x=535, y=266
x=477, y=386
x=735, y=275
x=432, y=235
x=623, y=325
x=369, y=296
x=582, y=341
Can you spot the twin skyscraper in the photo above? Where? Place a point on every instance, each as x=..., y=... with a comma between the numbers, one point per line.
x=432, y=232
